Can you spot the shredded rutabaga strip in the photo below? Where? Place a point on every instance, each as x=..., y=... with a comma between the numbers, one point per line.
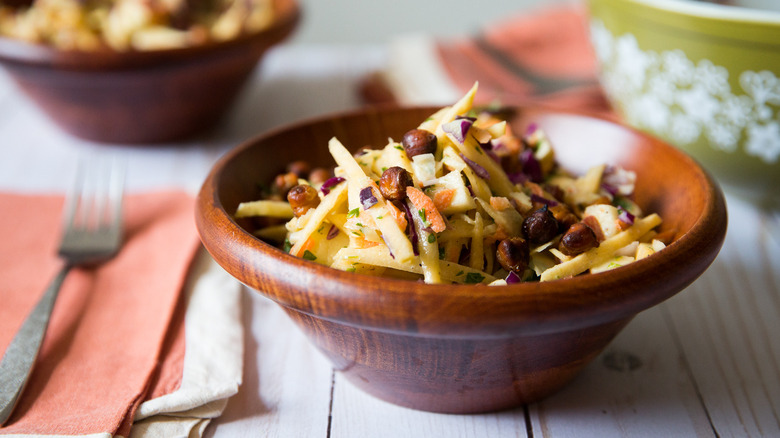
x=477, y=255
x=392, y=155
x=478, y=185
x=328, y=203
x=603, y=252
x=380, y=256
x=432, y=122
x=498, y=181
x=280, y=209
x=429, y=249
x=462, y=106
x=277, y=233
x=509, y=219
x=357, y=180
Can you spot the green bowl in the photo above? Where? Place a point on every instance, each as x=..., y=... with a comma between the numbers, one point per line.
x=702, y=76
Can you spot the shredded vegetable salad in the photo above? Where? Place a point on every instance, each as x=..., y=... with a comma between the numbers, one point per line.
x=460, y=199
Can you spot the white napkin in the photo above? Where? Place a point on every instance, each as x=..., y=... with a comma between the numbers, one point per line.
x=213, y=360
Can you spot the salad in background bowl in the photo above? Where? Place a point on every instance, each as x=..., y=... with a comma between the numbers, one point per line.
x=137, y=79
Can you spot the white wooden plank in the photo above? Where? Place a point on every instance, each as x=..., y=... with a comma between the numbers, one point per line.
x=356, y=414
x=728, y=325
x=287, y=382
x=637, y=387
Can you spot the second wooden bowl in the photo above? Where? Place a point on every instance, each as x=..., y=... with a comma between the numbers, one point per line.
x=142, y=96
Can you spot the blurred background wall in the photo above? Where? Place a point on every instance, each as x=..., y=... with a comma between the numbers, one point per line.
x=377, y=21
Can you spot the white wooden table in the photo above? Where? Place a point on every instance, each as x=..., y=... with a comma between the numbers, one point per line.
x=704, y=363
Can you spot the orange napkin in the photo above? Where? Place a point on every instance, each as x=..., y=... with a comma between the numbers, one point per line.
x=116, y=334
x=541, y=57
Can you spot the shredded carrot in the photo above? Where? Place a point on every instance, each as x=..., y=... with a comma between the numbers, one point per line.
x=307, y=246
x=366, y=219
x=443, y=198
x=498, y=236
x=361, y=242
x=398, y=216
x=500, y=203
x=423, y=203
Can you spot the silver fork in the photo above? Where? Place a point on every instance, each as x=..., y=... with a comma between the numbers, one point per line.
x=92, y=233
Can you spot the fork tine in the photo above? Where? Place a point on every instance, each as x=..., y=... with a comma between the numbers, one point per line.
x=115, y=193
x=94, y=203
x=73, y=198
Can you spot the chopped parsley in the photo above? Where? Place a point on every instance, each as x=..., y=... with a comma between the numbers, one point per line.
x=474, y=277
x=308, y=255
x=355, y=212
x=431, y=238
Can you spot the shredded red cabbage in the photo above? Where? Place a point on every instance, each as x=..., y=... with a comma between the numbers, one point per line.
x=458, y=128
x=612, y=190
x=531, y=129
x=497, y=145
x=479, y=170
x=330, y=183
x=620, y=179
x=333, y=232
x=543, y=200
x=512, y=278
x=625, y=217
x=410, y=229
x=390, y=250
x=367, y=198
x=518, y=177
x=531, y=166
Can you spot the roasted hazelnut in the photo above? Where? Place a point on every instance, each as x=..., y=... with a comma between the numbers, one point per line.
x=418, y=142
x=513, y=254
x=578, y=239
x=393, y=183
x=284, y=182
x=563, y=214
x=555, y=191
x=301, y=198
x=319, y=175
x=540, y=226
x=300, y=168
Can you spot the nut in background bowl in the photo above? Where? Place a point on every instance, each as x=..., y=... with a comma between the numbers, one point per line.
x=463, y=348
x=142, y=96
x=704, y=77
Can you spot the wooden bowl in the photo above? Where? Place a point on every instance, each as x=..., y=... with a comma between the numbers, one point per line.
x=141, y=96
x=464, y=348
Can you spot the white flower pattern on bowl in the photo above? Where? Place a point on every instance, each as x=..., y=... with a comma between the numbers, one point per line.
x=657, y=92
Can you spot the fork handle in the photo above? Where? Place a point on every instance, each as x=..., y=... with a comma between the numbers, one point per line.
x=19, y=358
